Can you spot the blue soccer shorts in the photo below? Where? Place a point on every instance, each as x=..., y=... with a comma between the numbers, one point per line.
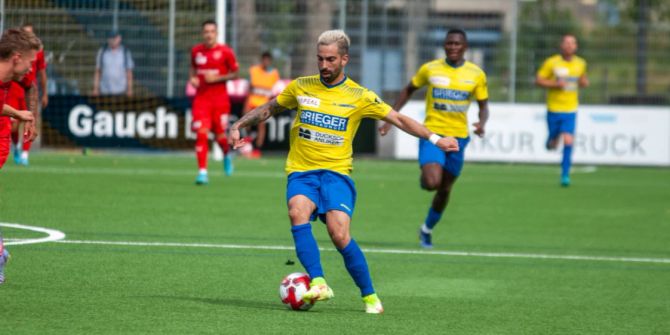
x=451, y=162
x=559, y=123
x=328, y=190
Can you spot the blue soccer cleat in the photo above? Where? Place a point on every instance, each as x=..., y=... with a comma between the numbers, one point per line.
x=24, y=161
x=228, y=167
x=17, y=155
x=202, y=179
x=3, y=260
x=565, y=181
x=425, y=240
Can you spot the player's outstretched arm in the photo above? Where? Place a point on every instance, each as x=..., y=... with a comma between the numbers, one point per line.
x=414, y=128
x=252, y=118
x=404, y=96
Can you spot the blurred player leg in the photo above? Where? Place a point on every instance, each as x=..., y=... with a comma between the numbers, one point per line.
x=24, y=152
x=260, y=140
x=5, y=143
x=15, y=141
x=4, y=256
x=201, y=126
x=220, y=123
x=566, y=162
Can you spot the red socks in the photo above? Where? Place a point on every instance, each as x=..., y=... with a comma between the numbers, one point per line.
x=201, y=150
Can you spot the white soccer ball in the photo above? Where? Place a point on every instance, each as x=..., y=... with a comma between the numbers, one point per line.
x=292, y=288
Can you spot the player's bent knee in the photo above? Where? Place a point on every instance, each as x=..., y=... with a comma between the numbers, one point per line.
x=298, y=215
x=340, y=238
x=430, y=184
x=568, y=139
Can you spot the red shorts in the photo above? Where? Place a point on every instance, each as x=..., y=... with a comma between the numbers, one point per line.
x=210, y=113
x=5, y=138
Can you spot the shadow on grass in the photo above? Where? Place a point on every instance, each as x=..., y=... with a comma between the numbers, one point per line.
x=253, y=304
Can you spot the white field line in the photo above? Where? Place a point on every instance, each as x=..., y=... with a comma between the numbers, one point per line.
x=58, y=237
x=188, y=172
x=52, y=234
x=385, y=251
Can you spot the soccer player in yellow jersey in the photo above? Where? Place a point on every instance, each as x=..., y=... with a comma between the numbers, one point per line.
x=329, y=108
x=562, y=75
x=452, y=83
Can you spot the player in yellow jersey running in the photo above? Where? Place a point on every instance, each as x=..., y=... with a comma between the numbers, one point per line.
x=562, y=75
x=452, y=83
x=330, y=107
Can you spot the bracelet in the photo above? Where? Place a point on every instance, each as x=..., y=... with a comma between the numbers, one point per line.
x=434, y=138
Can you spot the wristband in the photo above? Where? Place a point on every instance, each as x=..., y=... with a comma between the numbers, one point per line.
x=434, y=138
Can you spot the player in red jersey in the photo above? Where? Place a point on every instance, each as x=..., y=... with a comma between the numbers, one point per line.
x=17, y=52
x=29, y=84
x=212, y=64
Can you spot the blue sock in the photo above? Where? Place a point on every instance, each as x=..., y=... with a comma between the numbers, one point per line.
x=307, y=250
x=432, y=218
x=355, y=262
x=567, y=161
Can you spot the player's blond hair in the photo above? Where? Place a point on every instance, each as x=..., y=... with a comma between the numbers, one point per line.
x=17, y=41
x=338, y=36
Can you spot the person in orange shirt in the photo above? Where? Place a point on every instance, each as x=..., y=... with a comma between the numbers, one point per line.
x=262, y=77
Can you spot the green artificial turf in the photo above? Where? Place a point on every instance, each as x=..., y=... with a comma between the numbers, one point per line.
x=215, y=279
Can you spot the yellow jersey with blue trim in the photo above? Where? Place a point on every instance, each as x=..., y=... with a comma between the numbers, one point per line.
x=450, y=91
x=566, y=99
x=326, y=122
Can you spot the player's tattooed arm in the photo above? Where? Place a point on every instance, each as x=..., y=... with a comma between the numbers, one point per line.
x=32, y=98
x=252, y=118
x=259, y=114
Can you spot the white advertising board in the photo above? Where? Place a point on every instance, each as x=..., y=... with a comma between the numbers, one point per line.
x=621, y=135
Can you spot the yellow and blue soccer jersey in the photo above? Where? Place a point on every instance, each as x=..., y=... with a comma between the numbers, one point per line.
x=450, y=90
x=326, y=122
x=566, y=99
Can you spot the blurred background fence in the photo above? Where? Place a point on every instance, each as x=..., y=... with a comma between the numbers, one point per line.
x=626, y=42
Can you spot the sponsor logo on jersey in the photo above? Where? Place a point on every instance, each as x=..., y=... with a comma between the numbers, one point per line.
x=450, y=107
x=344, y=105
x=320, y=137
x=216, y=54
x=324, y=120
x=439, y=81
x=308, y=101
x=446, y=94
x=200, y=59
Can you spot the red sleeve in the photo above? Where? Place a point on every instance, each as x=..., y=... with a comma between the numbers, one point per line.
x=193, y=51
x=232, y=61
x=40, y=63
x=27, y=80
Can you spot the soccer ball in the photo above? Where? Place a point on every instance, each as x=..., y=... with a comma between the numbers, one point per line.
x=292, y=288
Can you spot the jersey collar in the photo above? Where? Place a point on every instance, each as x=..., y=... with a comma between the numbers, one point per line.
x=446, y=61
x=333, y=85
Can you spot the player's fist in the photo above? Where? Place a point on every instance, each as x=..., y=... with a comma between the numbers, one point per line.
x=448, y=144
x=195, y=82
x=234, y=138
x=29, y=131
x=211, y=78
x=385, y=128
x=479, y=129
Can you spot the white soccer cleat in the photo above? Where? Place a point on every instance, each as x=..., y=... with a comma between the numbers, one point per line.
x=373, y=305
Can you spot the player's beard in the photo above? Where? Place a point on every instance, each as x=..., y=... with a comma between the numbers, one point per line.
x=331, y=74
x=19, y=76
